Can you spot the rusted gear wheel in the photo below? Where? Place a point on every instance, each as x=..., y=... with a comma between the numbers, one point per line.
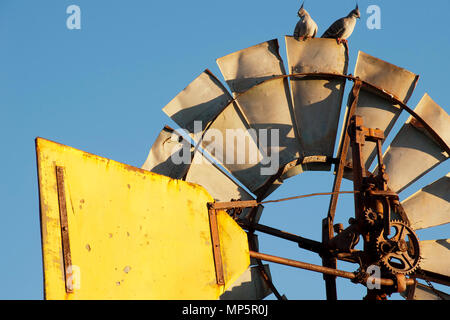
x=399, y=252
x=371, y=217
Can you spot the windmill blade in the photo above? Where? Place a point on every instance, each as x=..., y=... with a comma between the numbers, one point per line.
x=422, y=292
x=197, y=169
x=208, y=101
x=430, y=206
x=249, y=286
x=161, y=158
x=377, y=111
x=202, y=100
x=317, y=100
x=230, y=141
x=413, y=152
x=249, y=67
x=265, y=102
x=219, y=185
x=435, y=257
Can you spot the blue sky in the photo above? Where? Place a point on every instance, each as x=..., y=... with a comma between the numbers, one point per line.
x=101, y=89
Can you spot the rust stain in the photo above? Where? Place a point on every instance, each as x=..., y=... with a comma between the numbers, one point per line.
x=127, y=269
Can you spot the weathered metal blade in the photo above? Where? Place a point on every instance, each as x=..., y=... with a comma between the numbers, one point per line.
x=423, y=292
x=246, y=68
x=377, y=111
x=317, y=100
x=249, y=286
x=202, y=100
x=265, y=104
x=435, y=256
x=430, y=206
x=196, y=168
x=230, y=140
x=413, y=152
x=206, y=100
x=219, y=185
x=163, y=156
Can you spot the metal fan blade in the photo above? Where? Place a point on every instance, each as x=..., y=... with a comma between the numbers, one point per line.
x=159, y=160
x=266, y=106
x=430, y=206
x=413, y=152
x=435, y=257
x=218, y=184
x=197, y=169
x=422, y=292
x=208, y=101
x=249, y=286
x=244, y=160
x=202, y=100
x=377, y=111
x=317, y=100
x=246, y=68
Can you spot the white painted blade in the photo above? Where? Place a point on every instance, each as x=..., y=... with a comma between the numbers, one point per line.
x=423, y=292
x=317, y=100
x=435, y=256
x=167, y=147
x=202, y=100
x=430, y=206
x=413, y=152
x=266, y=105
x=377, y=111
x=249, y=286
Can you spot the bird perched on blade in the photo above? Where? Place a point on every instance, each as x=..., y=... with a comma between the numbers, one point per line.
x=343, y=28
x=306, y=27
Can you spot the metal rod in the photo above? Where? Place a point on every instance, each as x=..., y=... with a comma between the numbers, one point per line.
x=253, y=245
x=327, y=224
x=316, y=268
x=303, y=243
x=309, y=195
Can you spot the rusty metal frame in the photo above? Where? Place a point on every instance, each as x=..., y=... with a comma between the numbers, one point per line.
x=316, y=268
x=327, y=223
x=327, y=226
x=303, y=243
x=307, y=244
x=215, y=239
x=67, y=258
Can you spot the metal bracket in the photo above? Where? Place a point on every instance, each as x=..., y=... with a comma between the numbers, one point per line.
x=216, y=244
x=64, y=229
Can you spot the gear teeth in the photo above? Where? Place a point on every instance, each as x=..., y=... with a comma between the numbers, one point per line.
x=384, y=257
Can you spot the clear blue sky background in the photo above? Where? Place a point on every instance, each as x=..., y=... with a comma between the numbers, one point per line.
x=101, y=89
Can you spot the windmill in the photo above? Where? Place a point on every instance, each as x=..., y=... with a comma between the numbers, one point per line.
x=299, y=103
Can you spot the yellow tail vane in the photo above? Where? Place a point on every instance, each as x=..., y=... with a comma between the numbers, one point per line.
x=113, y=231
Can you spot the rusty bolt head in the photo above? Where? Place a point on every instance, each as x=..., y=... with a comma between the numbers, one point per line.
x=338, y=228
